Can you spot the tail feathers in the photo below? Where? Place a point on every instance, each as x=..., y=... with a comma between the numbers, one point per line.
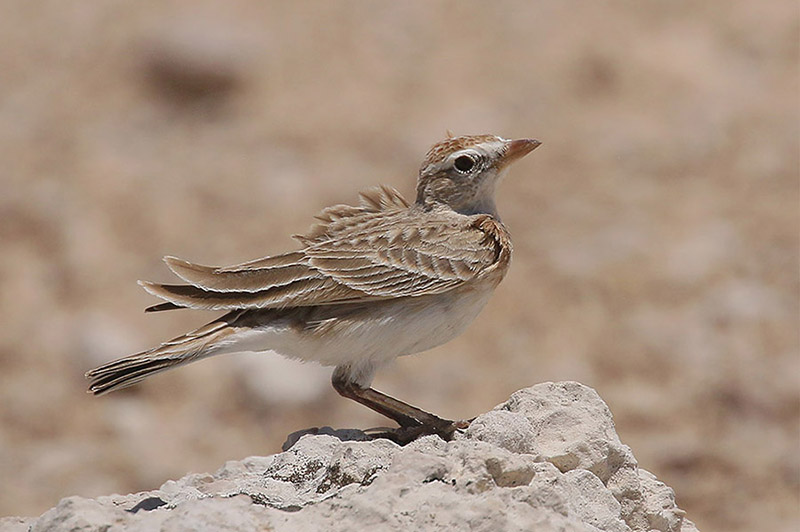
x=162, y=306
x=136, y=368
x=201, y=343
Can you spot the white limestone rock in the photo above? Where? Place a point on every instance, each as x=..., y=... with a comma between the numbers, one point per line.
x=546, y=459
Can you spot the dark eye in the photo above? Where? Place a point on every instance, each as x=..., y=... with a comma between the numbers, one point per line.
x=464, y=163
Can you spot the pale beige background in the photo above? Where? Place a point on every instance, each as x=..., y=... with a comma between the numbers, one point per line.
x=655, y=231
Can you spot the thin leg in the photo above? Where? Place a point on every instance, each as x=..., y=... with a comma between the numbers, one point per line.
x=413, y=421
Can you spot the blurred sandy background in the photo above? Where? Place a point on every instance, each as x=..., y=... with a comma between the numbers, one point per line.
x=656, y=230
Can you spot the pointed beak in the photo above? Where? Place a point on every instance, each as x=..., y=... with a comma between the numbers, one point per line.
x=517, y=149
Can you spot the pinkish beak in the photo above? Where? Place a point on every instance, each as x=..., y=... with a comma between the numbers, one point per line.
x=517, y=149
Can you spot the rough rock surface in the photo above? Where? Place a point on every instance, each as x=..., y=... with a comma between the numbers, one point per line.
x=546, y=459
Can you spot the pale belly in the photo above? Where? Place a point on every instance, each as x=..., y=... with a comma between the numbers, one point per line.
x=366, y=337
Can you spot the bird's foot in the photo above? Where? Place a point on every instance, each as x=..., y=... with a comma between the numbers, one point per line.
x=444, y=428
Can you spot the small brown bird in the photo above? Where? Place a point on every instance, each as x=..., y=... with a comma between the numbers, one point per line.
x=369, y=283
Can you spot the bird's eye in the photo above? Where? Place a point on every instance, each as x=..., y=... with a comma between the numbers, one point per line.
x=464, y=163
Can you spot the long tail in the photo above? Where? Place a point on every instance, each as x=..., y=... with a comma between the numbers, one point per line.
x=203, y=342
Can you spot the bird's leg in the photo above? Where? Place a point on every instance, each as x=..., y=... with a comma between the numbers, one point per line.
x=413, y=421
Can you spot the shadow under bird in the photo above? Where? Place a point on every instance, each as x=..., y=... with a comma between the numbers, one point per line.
x=369, y=283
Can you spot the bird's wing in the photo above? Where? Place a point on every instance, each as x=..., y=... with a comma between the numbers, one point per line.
x=380, y=249
x=253, y=276
x=276, y=281
x=408, y=253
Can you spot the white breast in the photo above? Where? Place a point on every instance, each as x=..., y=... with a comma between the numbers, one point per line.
x=365, y=341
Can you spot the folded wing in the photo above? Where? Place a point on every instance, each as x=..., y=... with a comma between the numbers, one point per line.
x=380, y=249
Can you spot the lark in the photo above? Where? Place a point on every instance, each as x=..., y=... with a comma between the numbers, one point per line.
x=369, y=283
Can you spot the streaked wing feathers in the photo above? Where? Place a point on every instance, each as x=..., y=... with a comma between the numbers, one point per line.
x=408, y=253
x=379, y=249
x=316, y=291
x=374, y=200
x=248, y=277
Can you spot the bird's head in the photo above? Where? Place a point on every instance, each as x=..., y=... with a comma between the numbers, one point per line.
x=462, y=172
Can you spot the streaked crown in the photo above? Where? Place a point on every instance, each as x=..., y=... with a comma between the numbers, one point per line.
x=462, y=172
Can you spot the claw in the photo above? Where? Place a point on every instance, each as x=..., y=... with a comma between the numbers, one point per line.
x=407, y=434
